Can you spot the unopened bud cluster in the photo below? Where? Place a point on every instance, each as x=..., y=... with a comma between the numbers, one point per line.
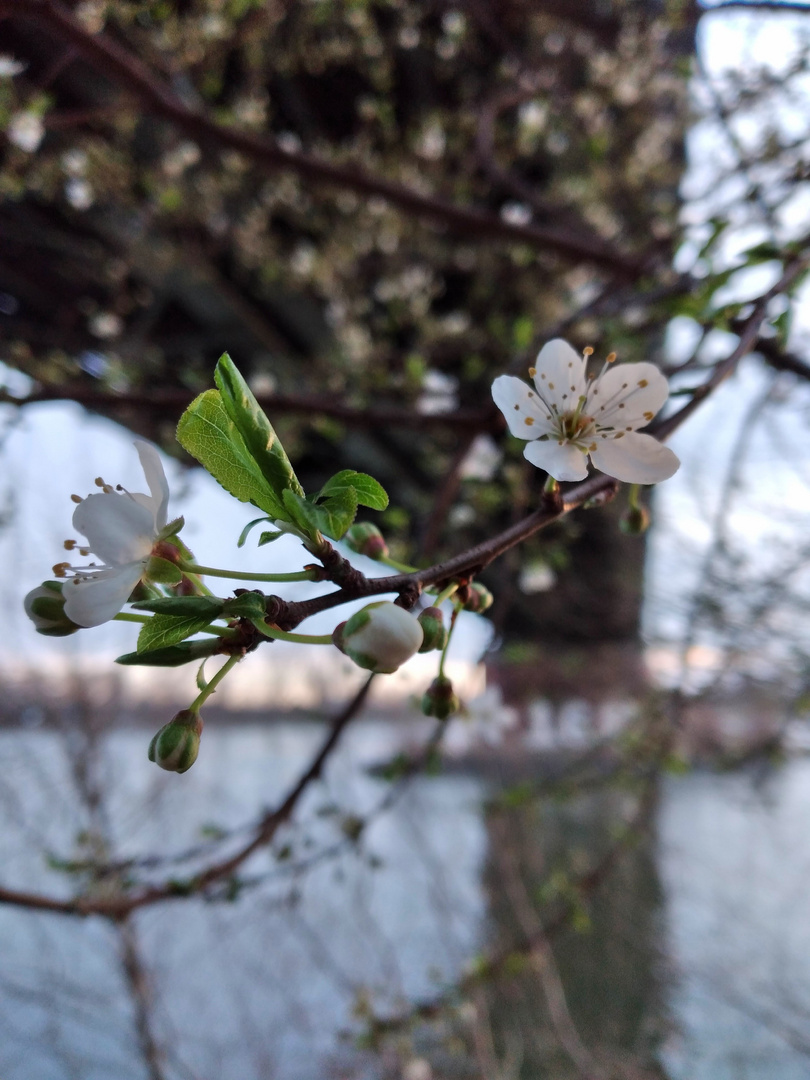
x=440, y=699
x=480, y=599
x=176, y=745
x=433, y=629
x=45, y=607
x=366, y=539
x=380, y=637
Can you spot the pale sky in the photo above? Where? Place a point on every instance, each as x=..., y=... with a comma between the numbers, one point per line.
x=54, y=449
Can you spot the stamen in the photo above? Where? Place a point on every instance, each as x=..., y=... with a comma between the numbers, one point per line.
x=588, y=350
x=60, y=569
x=69, y=545
x=84, y=552
x=532, y=372
x=611, y=357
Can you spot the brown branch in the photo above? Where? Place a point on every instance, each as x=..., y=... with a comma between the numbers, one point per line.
x=172, y=402
x=121, y=906
x=466, y=564
x=123, y=68
x=749, y=337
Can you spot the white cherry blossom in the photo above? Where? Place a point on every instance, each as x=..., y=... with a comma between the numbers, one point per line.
x=121, y=529
x=567, y=418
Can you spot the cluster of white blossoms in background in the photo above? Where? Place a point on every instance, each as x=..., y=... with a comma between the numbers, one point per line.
x=121, y=528
x=566, y=418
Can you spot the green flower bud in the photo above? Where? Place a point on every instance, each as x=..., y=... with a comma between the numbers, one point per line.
x=380, y=637
x=635, y=520
x=480, y=598
x=45, y=607
x=435, y=635
x=366, y=539
x=439, y=699
x=176, y=745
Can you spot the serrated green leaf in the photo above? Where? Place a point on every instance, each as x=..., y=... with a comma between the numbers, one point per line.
x=208, y=433
x=164, y=630
x=248, y=605
x=301, y=513
x=163, y=571
x=368, y=491
x=243, y=535
x=331, y=517
x=173, y=655
x=268, y=538
x=260, y=439
x=208, y=606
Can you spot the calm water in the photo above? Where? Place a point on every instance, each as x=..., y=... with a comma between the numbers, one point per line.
x=699, y=952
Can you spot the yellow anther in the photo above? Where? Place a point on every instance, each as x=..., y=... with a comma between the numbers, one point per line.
x=610, y=358
x=69, y=545
x=529, y=421
x=76, y=498
x=60, y=569
x=643, y=382
x=99, y=482
x=648, y=415
x=532, y=372
x=588, y=350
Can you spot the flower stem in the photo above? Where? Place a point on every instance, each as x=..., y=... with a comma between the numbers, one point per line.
x=450, y=630
x=400, y=567
x=130, y=616
x=283, y=635
x=214, y=682
x=239, y=575
x=445, y=594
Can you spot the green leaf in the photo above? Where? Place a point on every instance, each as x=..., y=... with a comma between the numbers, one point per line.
x=268, y=538
x=209, y=607
x=250, y=420
x=173, y=655
x=301, y=513
x=248, y=605
x=332, y=517
x=243, y=535
x=164, y=630
x=368, y=491
x=208, y=433
x=163, y=571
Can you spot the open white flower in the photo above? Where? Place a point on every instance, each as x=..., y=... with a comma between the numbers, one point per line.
x=566, y=417
x=121, y=529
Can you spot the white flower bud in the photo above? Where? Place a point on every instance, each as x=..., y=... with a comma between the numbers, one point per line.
x=380, y=638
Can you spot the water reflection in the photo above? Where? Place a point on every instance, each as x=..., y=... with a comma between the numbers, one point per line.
x=689, y=960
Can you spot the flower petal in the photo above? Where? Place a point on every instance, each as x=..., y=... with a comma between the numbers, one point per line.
x=628, y=395
x=561, y=460
x=156, y=479
x=635, y=458
x=95, y=599
x=560, y=378
x=525, y=416
x=118, y=529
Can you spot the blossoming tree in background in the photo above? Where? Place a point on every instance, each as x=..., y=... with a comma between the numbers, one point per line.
x=387, y=213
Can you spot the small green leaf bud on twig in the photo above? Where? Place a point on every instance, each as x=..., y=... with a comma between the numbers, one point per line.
x=635, y=520
x=480, y=599
x=439, y=699
x=45, y=607
x=380, y=637
x=176, y=745
x=435, y=633
x=366, y=539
